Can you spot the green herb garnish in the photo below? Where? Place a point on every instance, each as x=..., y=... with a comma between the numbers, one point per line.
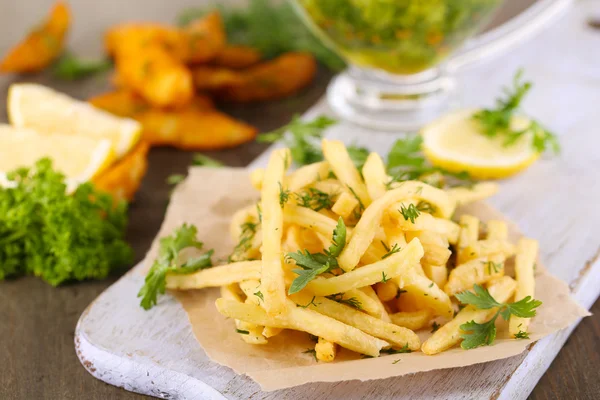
x=352, y=301
x=69, y=67
x=475, y=334
x=404, y=349
x=434, y=327
x=242, y=332
x=57, y=236
x=200, y=159
x=167, y=262
x=521, y=335
x=384, y=278
x=410, y=213
x=175, y=179
x=319, y=263
x=314, y=199
x=395, y=248
x=496, y=122
x=284, y=195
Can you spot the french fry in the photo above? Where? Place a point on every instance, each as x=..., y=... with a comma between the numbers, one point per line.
x=345, y=205
x=381, y=311
x=330, y=186
x=272, y=276
x=205, y=38
x=371, y=220
x=375, y=176
x=293, y=214
x=156, y=75
x=305, y=320
x=222, y=275
x=269, y=331
x=193, y=129
x=42, y=45
x=363, y=301
x=425, y=222
x=336, y=154
x=256, y=178
x=386, y=291
x=325, y=350
x=434, y=244
x=527, y=250
x=123, y=178
x=413, y=320
x=478, y=271
x=469, y=234
x=486, y=248
x=250, y=288
x=367, y=275
x=237, y=57
x=249, y=333
x=497, y=230
x=442, y=204
x=437, y=273
x=426, y=292
x=307, y=175
x=479, y=191
x=396, y=335
x=449, y=334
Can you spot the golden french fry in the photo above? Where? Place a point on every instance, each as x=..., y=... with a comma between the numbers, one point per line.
x=307, y=175
x=388, y=268
x=478, y=271
x=375, y=176
x=479, y=191
x=442, y=204
x=42, y=45
x=325, y=350
x=308, y=218
x=425, y=292
x=381, y=311
x=396, y=335
x=486, y=248
x=123, y=178
x=386, y=291
x=305, y=320
x=272, y=276
x=413, y=320
x=269, y=331
x=437, y=273
x=345, y=205
x=221, y=275
x=336, y=154
x=497, y=230
x=449, y=334
x=205, y=38
x=527, y=250
x=256, y=178
x=371, y=220
x=332, y=187
x=362, y=301
x=249, y=333
x=434, y=244
x=425, y=222
x=237, y=57
x=469, y=234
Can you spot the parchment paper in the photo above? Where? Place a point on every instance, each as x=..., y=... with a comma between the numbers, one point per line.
x=208, y=198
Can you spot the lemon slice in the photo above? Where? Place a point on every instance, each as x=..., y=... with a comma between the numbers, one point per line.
x=455, y=142
x=47, y=111
x=80, y=158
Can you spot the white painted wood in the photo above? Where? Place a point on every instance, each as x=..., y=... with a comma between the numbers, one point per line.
x=555, y=201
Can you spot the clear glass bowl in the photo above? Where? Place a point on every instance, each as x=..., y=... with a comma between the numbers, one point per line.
x=401, y=53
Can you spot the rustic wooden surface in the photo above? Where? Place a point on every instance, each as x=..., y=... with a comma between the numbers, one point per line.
x=37, y=359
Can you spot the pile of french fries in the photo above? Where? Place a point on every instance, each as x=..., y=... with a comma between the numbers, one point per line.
x=397, y=274
x=167, y=78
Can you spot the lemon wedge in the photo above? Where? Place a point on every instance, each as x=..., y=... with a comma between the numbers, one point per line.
x=455, y=142
x=80, y=158
x=48, y=112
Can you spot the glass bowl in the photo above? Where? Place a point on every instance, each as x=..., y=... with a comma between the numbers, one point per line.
x=402, y=53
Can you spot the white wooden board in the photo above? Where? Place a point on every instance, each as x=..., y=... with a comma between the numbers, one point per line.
x=555, y=201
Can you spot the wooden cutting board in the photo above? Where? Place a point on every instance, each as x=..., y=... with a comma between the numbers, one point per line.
x=555, y=201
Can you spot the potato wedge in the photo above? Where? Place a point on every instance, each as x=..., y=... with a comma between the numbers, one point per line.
x=205, y=38
x=42, y=45
x=237, y=57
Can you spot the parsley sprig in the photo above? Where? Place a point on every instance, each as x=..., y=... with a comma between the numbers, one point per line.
x=318, y=263
x=167, y=262
x=475, y=334
x=496, y=121
x=71, y=68
x=314, y=199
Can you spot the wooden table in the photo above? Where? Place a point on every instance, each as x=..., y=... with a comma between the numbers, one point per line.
x=37, y=357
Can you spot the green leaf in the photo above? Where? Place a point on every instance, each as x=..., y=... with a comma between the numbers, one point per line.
x=69, y=67
x=481, y=298
x=167, y=262
x=521, y=335
x=305, y=276
x=175, y=179
x=475, y=335
x=358, y=155
x=524, y=308
x=206, y=161
x=410, y=213
x=339, y=239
